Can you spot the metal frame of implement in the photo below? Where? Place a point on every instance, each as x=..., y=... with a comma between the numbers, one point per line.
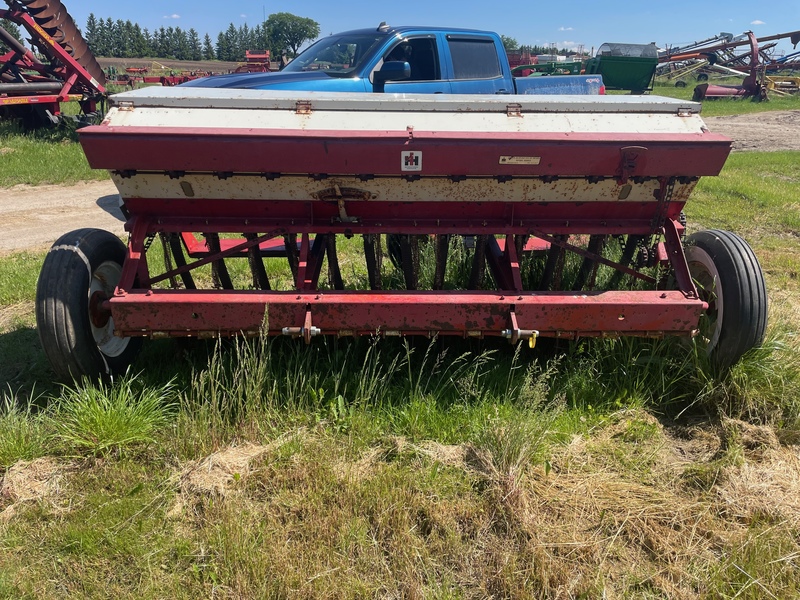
x=71, y=72
x=561, y=175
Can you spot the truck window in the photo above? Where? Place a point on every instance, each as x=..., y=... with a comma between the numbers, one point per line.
x=421, y=55
x=337, y=56
x=473, y=58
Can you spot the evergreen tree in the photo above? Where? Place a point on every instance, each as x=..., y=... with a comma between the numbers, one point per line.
x=161, y=43
x=148, y=42
x=90, y=32
x=232, y=42
x=222, y=47
x=170, y=44
x=258, y=38
x=181, y=44
x=208, y=48
x=110, y=43
x=138, y=44
x=245, y=43
x=195, y=48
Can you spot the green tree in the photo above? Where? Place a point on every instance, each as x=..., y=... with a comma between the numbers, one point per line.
x=160, y=43
x=223, y=46
x=182, y=49
x=259, y=39
x=289, y=32
x=509, y=43
x=148, y=42
x=208, y=48
x=105, y=34
x=232, y=43
x=90, y=32
x=195, y=49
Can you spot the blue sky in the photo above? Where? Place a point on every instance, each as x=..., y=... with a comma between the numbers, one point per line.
x=568, y=24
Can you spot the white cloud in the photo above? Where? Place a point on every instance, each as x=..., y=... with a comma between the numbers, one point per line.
x=568, y=44
x=172, y=16
x=565, y=28
x=243, y=16
x=757, y=22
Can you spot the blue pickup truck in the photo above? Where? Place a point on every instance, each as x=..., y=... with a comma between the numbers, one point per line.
x=419, y=60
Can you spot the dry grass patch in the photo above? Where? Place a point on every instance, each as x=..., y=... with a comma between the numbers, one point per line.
x=766, y=486
x=218, y=474
x=31, y=481
x=214, y=474
x=13, y=314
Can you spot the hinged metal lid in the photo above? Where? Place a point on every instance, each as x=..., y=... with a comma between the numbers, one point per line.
x=195, y=97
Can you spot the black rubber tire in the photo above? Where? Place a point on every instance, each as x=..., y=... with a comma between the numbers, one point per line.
x=680, y=84
x=702, y=77
x=77, y=263
x=728, y=277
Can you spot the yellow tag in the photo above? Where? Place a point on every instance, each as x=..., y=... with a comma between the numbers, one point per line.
x=532, y=341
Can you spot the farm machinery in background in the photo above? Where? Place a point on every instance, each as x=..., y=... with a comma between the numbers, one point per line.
x=155, y=74
x=256, y=61
x=60, y=68
x=717, y=56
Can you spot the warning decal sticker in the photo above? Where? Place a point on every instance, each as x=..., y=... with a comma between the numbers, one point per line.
x=520, y=160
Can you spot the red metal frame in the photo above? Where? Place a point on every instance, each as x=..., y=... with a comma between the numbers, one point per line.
x=77, y=84
x=138, y=309
x=132, y=149
x=259, y=227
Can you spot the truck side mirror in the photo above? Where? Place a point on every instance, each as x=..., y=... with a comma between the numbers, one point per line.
x=393, y=70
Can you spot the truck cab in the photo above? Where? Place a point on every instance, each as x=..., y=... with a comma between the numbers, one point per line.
x=420, y=60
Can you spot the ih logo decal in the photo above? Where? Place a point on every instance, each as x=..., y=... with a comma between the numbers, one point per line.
x=411, y=161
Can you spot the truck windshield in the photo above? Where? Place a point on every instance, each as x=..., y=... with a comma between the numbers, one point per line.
x=337, y=55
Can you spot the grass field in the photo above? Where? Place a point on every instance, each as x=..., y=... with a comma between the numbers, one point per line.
x=416, y=469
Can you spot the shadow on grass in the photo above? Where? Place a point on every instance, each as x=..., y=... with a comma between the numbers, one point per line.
x=23, y=365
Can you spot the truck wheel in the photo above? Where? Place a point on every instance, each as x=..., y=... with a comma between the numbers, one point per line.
x=728, y=277
x=81, y=271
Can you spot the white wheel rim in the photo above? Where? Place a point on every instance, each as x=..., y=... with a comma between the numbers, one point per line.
x=104, y=279
x=706, y=277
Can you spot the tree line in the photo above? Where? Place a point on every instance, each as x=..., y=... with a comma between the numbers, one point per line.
x=124, y=39
x=513, y=46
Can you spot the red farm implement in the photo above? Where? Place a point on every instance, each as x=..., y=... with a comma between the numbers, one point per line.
x=719, y=56
x=256, y=61
x=60, y=68
x=570, y=207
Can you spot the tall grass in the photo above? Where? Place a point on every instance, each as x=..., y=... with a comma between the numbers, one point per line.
x=24, y=432
x=104, y=418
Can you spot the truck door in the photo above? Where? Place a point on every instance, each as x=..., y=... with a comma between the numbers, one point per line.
x=423, y=54
x=475, y=64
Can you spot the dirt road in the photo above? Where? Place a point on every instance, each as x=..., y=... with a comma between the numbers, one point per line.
x=34, y=217
x=766, y=131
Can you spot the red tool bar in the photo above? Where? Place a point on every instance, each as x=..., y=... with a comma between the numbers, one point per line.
x=316, y=216
x=378, y=153
x=553, y=314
